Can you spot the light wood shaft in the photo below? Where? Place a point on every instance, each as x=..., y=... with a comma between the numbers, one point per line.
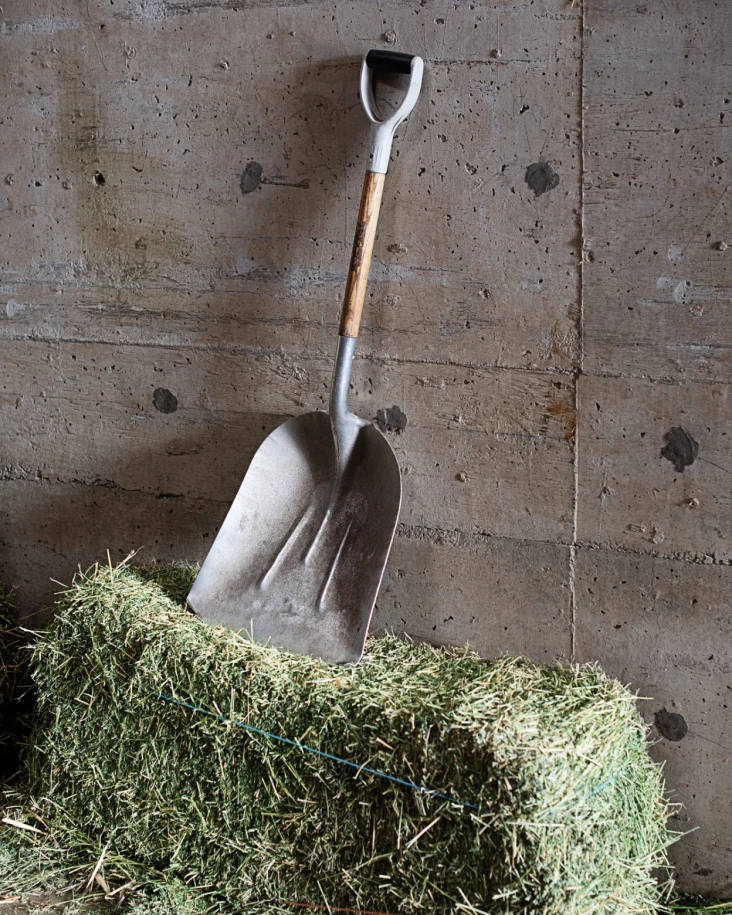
x=363, y=246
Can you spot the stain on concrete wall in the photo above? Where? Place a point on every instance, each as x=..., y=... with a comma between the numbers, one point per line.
x=391, y=419
x=164, y=400
x=541, y=177
x=681, y=448
x=251, y=177
x=671, y=725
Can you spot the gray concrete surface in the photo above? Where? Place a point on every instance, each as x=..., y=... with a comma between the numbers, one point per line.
x=549, y=313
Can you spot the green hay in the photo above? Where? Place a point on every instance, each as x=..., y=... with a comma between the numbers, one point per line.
x=49, y=877
x=698, y=905
x=572, y=812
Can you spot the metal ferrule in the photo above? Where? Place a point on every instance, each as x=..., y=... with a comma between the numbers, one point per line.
x=341, y=379
x=341, y=420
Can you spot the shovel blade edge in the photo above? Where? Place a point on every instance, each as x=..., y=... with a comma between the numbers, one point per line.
x=298, y=562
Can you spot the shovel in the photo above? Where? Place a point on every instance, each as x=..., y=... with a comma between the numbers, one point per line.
x=300, y=556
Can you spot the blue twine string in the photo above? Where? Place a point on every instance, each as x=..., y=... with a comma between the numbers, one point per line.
x=604, y=784
x=302, y=746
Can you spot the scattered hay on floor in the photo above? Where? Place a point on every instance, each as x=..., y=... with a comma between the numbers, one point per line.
x=557, y=807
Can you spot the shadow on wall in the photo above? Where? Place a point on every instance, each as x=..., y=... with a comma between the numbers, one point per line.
x=49, y=528
x=57, y=527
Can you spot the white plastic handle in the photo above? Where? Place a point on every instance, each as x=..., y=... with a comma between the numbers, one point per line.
x=382, y=131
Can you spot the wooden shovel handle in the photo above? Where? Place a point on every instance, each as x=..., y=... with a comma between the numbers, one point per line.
x=363, y=246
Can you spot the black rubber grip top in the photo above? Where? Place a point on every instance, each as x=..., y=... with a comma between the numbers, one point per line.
x=389, y=61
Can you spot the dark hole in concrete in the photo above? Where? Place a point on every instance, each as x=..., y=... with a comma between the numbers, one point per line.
x=251, y=177
x=671, y=725
x=165, y=401
x=681, y=448
x=541, y=177
x=391, y=419
x=98, y=179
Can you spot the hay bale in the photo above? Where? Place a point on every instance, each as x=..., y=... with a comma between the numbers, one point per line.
x=557, y=807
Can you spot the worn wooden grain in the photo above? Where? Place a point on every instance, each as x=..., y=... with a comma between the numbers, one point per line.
x=665, y=628
x=363, y=246
x=658, y=190
x=634, y=498
x=487, y=451
x=470, y=265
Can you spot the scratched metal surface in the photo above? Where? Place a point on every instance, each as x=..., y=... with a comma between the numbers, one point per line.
x=301, y=553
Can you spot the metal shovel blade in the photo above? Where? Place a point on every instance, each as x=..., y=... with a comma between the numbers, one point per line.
x=300, y=556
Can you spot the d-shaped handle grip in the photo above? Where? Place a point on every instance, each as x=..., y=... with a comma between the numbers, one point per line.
x=389, y=61
x=382, y=129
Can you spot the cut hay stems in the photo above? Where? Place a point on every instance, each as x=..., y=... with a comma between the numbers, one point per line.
x=327, y=908
x=130, y=885
x=97, y=866
x=18, y=825
x=419, y=835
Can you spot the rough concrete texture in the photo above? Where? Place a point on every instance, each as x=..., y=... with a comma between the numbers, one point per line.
x=546, y=339
x=665, y=626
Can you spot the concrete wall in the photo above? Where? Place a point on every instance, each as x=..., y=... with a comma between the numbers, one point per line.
x=550, y=309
